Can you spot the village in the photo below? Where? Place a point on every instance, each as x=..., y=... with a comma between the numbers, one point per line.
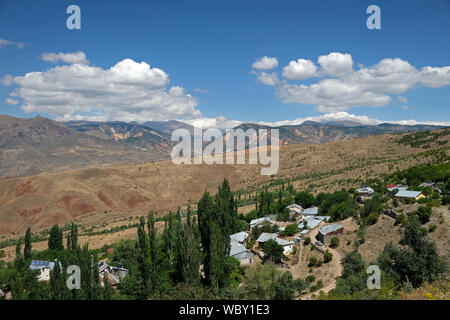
x=251, y=246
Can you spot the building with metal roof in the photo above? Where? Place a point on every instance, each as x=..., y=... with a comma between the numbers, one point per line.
x=365, y=190
x=313, y=211
x=239, y=237
x=256, y=222
x=286, y=244
x=241, y=253
x=409, y=194
x=326, y=233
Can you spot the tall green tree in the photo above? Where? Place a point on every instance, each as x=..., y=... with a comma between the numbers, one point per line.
x=27, y=248
x=189, y=251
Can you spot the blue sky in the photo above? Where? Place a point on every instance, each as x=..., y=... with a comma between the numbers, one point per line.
x=204, y=51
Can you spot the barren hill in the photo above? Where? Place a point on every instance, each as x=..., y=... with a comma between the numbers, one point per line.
x=49, y=198
x=31, y=146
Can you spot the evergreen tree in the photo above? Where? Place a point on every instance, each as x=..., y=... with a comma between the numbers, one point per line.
x=57, y=283
x=27, y=249
x=205, y=212
x=152, y=252
x=107, y=288
x=189, y=251
x=55, y=241
x=73, y=236
x=143, y=256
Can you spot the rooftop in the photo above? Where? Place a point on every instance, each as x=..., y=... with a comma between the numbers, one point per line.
x=239, y=237
x=311, y=211
x=408, y=194
x=330, y=228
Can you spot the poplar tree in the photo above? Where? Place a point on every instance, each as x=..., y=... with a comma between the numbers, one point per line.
x=189, y=251
x=152, y=252
x=27, y=249
x=144, y=268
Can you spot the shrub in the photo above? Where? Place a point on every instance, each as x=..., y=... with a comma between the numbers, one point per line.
x=327, y=256
x=424, y=214
x=400, y=219
x=294, y=250
x=431, y=228
x=310, y=279
x=307, y=241
x=445, y=200
x=290, y=230
x=372, y=218
x=334, y=242
x=312, y=261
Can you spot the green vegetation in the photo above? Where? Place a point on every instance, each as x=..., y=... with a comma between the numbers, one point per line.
x=334, y=242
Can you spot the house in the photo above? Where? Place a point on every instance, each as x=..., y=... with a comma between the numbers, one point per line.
x=432, y=185
x=303, y=233
x=257, y=222
x=243, y=255
x=239, y=237
x=114, y=274
x=326, y=233
x=44, y=268
x=365, y=190
x=294, y=209
x=287, y=245
x=312, y=222
x=313, y=211
x=406, y=194
x=398, y=187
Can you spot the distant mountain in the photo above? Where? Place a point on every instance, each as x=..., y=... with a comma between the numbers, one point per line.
x=315, y=132
x=168, y=126
x=30, y=146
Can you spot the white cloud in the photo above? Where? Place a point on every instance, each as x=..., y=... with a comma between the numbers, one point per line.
x=4, y=42
x=405, y=107
x=11, y=102
x=402, y=99
x=299, y=70
x=128, y=91
x=435, y=77
x=73, y=57
x=217, y=123
x=7, y=80
x=347, y=88
x=265, y=63
x=336, y=64
x=344, y=116
x=270, y=79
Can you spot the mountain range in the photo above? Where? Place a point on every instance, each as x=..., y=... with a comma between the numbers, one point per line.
x=29, y=146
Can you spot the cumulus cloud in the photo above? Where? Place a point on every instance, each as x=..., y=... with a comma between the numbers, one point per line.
x=435, y=77
x=340, y=87
x=11, y=102
x=336, y=64
x=344, y=116
x=270, y=79
x=299, y=70
x=127, y=91
x=73, y=57
x=265, y=63
x=4, y=43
